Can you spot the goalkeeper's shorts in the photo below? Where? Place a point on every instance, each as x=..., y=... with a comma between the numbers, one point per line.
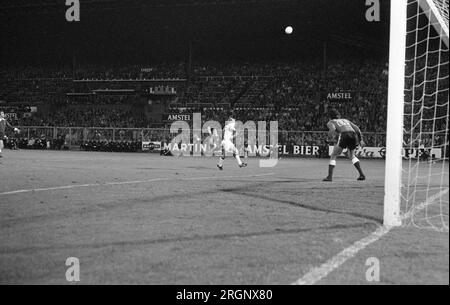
x=348, y=140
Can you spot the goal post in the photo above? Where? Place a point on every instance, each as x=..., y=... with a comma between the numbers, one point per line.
x=394, y=134
x=417, y=141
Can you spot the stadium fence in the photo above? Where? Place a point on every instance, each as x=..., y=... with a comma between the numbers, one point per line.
x=76, y=136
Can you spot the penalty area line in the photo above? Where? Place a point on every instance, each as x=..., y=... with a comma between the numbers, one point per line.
x=66, y=187
x=318, y=273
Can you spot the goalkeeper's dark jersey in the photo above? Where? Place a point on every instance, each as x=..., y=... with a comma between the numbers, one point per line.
x=342, y=125
x=348, y=137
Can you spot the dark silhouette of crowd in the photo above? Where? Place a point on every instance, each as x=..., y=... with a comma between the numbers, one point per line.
x=112, y=146
x=87, y=117
x=294, y=94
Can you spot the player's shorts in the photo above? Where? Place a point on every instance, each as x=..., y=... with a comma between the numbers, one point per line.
x=214, y=146
x=228, y=147
x=348, y=140
x=214, y=149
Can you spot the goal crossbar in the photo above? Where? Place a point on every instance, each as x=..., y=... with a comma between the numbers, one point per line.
x=437, y=18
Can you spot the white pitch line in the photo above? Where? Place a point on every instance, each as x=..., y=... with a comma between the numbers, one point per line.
x=65, y=187
x=318, y=273
x=423, y=205
x=321, y=272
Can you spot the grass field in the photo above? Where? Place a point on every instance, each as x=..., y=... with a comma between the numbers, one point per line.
x=146, y=219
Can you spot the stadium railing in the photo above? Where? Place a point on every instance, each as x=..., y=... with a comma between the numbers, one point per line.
x=76, y=136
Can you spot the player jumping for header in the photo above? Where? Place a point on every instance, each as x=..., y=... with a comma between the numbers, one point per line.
x=349, y=137
x=227, y=144
x=3, y=125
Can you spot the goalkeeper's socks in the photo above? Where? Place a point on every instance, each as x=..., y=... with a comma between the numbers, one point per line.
x=221, y=161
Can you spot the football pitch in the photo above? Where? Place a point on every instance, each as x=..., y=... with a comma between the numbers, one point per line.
x=147, y=219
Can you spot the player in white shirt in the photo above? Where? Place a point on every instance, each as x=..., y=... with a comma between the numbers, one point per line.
x=228, y=145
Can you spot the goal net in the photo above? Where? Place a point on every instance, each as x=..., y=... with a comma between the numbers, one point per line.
x=423, y=187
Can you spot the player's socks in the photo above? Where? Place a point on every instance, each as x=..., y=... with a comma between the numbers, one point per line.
x=330, y=173
x=331, y=167
x=220, y=165
x=357, y=165
x=238, y=159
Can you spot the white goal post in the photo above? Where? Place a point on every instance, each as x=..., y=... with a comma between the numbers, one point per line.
x=418, y=82
x=394, y=134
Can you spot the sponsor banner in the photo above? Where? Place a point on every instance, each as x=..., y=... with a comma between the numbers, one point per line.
x=162, y=90
x=435, y=153
x=176, y=117
x=380, y=152
x=151, y=146
x=339, y=96
x=251, y=150
x=293, y=150
x=299, y=150
x=366, y=152
x=285, y=150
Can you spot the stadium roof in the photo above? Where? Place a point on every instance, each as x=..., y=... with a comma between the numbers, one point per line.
x=45, y=6
x=222, y=28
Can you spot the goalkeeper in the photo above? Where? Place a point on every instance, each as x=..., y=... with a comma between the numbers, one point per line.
x=349, y=137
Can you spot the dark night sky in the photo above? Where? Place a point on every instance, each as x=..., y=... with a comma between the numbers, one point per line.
x=218, y=32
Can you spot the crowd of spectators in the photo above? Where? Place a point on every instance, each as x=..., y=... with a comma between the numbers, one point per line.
x=294, y=94
x=150, y=71
x=38, y=143
x=88, y=117
x=112, y=146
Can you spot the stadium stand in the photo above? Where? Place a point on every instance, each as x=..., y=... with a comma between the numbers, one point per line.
x=297, y=95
